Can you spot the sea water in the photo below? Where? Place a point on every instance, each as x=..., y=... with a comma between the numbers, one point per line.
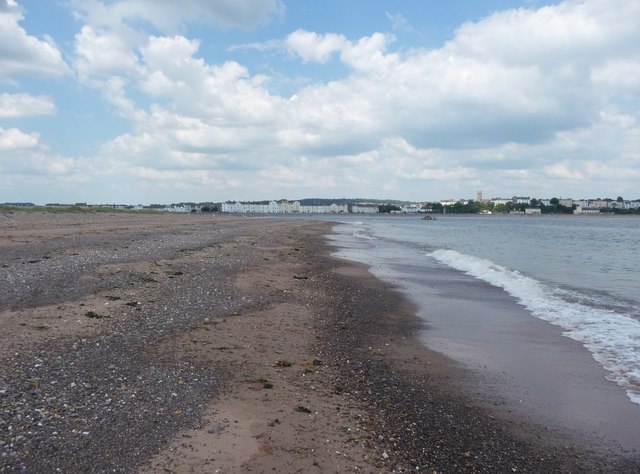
x=580, y=274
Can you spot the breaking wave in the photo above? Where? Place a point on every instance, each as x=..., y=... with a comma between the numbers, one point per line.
x=612, y=338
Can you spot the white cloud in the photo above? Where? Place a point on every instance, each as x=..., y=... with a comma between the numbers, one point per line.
x=101, y=55
x=22, y=54
x=440, y=116
x=369, y=54
x=311, y=46
x=13, y=139
x=618, y=76
x=577, y=33
x=523, y=98
x=113, y=89
x=25, y=105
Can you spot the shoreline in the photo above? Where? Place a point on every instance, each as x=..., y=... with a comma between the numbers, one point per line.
x=252, y=348
x=427, y=410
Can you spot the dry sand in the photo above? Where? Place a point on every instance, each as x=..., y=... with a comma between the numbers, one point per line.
x=159, y=343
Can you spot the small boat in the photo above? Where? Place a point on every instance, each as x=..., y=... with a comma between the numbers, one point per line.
x=429, y=217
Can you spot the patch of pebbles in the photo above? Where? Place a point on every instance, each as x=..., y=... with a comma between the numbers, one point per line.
x=108, y=401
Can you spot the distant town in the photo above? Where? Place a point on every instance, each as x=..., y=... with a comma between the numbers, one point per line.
x=524, y=205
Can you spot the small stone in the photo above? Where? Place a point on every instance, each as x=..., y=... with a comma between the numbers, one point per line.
x=385, y=455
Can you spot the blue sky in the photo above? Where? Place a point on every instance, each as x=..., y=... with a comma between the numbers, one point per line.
x=141, y=101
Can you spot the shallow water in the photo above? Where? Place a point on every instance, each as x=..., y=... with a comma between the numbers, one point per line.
x=501, y=295
x=576, y=273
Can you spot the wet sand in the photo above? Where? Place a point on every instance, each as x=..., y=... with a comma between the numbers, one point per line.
x=142, y=343
x=547, y=379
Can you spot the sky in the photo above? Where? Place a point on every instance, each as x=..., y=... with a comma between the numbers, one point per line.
x=158, y=101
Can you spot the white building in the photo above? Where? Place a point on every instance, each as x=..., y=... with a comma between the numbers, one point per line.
x=521, y=200
x=598, y=204
x=331, y=209
x=281, y=207
x=497, y=201
x=180, y=208
x=364, y=209
x=410, y=208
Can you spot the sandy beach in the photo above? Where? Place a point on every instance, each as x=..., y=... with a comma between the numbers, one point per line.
x=203, y=344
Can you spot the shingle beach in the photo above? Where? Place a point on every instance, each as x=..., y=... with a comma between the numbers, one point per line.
x=199, y=343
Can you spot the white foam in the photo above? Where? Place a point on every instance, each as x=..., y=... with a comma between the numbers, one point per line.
x=361, y=233
x=612, y=338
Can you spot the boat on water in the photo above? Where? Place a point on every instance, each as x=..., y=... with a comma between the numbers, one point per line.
x=429, y=217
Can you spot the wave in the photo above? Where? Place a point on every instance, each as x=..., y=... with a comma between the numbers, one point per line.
x=612, y=338
x=362, y=233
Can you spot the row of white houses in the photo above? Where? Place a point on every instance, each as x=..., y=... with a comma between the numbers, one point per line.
x=595, y=204
x=291, y=207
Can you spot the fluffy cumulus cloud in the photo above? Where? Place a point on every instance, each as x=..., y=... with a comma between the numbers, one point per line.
x=101, y=54
x=528, y=99
x=13, y=139
x=502, y=96
x=26, y=165
x=21, y=53
x=313, y=47
x=25, y=105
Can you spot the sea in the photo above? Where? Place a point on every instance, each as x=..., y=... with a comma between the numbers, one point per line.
x=577, y=277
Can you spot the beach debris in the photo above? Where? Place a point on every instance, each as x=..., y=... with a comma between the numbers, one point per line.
x=94, y=315
x=300, y=277
x=302, y=409
x=283, y=363
x=265, y=383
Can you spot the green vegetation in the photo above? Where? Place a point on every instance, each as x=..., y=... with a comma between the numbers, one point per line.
x=471, y=207
x=555, y=207
x=387, y=208
x=72, y=209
